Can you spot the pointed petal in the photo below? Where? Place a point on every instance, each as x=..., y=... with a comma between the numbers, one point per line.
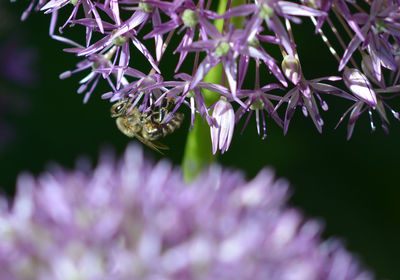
x=353, y=45
x=294, y=9
x=353, y=118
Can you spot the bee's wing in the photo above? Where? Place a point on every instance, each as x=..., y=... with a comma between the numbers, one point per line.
x=156, y=146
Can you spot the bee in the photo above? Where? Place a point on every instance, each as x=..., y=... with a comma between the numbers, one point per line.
x=146, y=127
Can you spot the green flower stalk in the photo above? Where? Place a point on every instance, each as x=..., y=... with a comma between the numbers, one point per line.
x=199, y=151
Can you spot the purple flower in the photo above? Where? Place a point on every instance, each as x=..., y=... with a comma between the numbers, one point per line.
x=249, y=34
x=183, y=13
x=253, y=49
x=120, y=35
x=377, y=26
x=257, y=101
x=99, y=66
x=136, y=220
x=368, y=99
x=220, y=49
x=89, y=10
x=304, y=93
x=179, y=91
x=270, y=11
x=147, y=89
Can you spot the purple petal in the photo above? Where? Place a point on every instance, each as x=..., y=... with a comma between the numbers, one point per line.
x=294, y=9
x=353, y=45
x=240, y=11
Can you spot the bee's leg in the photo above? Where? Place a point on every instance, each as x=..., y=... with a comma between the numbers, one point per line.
x=149, y=113
x=167, y=103
x=162, y=114
x=171, y=102
x=166, y=106
x=164, y=103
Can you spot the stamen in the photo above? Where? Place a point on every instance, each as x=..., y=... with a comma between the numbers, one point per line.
x=264, y=125
x=322, y=102
x=304, y=110
x=258, y=121
x=373, y=128
x=325, y=39
x=395, y=114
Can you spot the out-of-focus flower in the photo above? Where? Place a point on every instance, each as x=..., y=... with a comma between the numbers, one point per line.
x=223, y=126
x=17, y=62
x=17, y=72
x=135, y=220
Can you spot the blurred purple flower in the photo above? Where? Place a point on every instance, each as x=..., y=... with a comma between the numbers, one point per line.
x=17, y=67
x=135, y=220
x=17, y=62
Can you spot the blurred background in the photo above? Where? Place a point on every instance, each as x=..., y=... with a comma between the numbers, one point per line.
x=351, y=185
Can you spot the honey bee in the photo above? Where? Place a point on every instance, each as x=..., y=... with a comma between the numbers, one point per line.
x=146, y=127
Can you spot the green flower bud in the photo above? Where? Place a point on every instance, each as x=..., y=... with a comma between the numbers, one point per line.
x=266, y=12
x=190, y=18
x=258, y=104
x=222, y=49
x=292, y=69
x=147, y=8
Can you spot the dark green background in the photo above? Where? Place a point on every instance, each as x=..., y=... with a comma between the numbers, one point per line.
x=351, y=185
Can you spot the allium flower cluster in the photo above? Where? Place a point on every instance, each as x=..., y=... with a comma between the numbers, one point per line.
x=117, y=31
x=135, y=220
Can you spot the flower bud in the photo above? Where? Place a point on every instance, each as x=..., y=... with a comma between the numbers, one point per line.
x=359, y=85
x=291, y=68
x=222, y=129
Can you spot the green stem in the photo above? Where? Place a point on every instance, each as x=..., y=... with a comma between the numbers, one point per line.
x=198, y=150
